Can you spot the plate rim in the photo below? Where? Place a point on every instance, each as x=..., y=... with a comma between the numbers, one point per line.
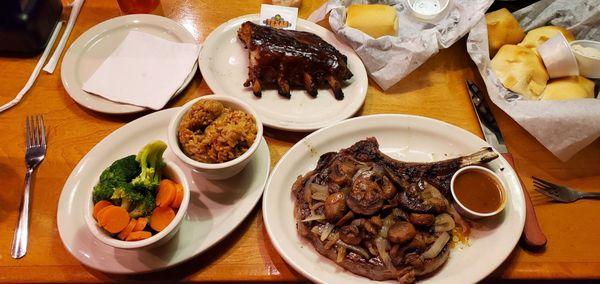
x=70, y=58
x=71, y=179
x=211, y=80
x=278, y=245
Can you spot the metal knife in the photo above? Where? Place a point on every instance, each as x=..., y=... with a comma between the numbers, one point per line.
x=532, y=233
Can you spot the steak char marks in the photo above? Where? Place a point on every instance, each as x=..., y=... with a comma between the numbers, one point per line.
x=379, y=217
x=287, y=59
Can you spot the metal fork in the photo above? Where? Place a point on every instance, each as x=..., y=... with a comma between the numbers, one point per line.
x=561, y=193
x=35, y=136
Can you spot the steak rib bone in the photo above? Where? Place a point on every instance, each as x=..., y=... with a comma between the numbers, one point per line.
x=437, y=173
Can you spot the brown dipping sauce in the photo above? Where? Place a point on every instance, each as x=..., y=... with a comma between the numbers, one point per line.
x=478, y=191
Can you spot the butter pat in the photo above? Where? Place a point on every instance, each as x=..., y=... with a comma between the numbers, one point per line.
x=374, y=20
x=587, y=51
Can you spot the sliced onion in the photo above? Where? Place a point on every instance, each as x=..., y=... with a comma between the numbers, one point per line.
x=345, y=219
x=465, y=228
x=360, y=171
x=341, y=253
x=319, y=192
x=387, y=223
x=307, y=190
x=372, y=250
x=437, y=246
x=326, y=231
x=315, y=217
x=316, y=230
x=355, y=249
x=382, y=247
x=313, y=207
x=316, y=205
x=332, y=240
x=443, y=223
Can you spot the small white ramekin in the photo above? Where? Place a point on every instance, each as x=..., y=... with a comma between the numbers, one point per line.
x=463, y=210
x=588, y=66
x=558, y=57
x=217, y=171
x=431, y=16
x=171, y=171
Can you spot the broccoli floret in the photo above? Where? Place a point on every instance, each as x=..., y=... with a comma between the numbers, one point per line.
x=103, y=190
x=125, y=195
x=124, y=169
x=144, y=207
x=119, y=172
x=151, y=162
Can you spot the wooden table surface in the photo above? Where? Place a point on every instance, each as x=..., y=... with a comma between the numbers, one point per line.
x=435, y=90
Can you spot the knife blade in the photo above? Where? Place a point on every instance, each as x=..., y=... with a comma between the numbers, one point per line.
x=532, y=232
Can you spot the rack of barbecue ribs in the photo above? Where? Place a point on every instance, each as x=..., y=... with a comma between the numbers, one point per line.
x=287, y=59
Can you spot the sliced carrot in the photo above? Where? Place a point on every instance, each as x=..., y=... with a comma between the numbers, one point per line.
x=115, y=219
x=123, y=234
x=166, y=193
x=178, y=196
x=161, y=217
x=141, y=224
x=139, y=235
x=99, y=206
x=100, y=214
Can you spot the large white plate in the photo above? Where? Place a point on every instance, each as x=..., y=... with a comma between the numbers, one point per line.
x=224, y=65
x=216, y=207
x=90, y=49
x=409, y=138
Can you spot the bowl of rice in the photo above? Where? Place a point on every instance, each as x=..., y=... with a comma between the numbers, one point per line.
x=215, y=135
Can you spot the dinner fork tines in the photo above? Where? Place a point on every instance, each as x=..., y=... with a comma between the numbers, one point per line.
x=35, y=137
x=561, y=193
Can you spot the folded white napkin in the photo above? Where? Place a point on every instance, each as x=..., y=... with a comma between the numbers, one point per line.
x=144, y=70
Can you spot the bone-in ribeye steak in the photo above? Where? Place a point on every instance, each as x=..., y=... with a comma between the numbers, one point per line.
x=379, y=217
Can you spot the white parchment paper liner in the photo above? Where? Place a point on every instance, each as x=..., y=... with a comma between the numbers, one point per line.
x=389, y=59
x=563, y=127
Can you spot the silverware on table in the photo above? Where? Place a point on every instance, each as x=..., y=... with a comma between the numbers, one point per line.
x=532, y=233
x=35, y=136
x=561, y=193
x=75, y=9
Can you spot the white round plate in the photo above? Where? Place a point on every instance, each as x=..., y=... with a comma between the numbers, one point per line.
x=89, y=50
x=216, y=207
x=224, y=65
x=404, y=137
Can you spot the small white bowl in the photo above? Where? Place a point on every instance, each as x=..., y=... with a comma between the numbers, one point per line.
x=218, y=171
x=588, y=66
x=428, y=10
x=173, y=172
x=558, y=57
x=463, y=210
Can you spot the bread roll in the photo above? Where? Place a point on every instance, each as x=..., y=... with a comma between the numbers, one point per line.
x=568, y=88
x=536, y=37
x=502, y=29
x=520, y=70
x=374, y=20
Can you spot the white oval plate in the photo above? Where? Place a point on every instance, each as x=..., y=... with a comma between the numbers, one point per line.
x=224, y=65
x=216, y=207
x=89, y=50
x=404, y=137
